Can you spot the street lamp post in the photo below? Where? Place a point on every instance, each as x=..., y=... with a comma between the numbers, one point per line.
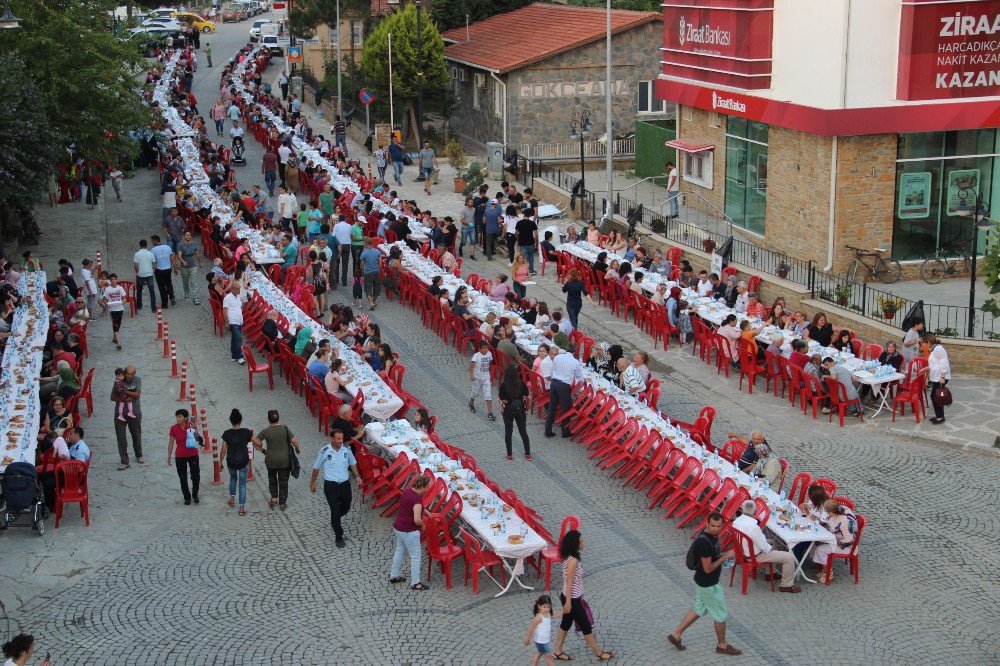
x=981, y=216
x=577, y=128
x=7, y=20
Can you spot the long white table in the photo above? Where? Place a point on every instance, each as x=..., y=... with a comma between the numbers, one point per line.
x=380, y=401
x=492, y=520
x=786, y=521
x=20, y=410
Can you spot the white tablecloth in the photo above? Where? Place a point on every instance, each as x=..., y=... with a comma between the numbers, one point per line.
x=20, y=411
x=380, y=402
x=197, y=179
x=489, y=521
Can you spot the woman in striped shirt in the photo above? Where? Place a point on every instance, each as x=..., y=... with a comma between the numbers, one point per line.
x=575, y=609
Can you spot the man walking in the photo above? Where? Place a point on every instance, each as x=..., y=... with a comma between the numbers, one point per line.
x=208, y=54
x=163, y=258
x=287, y=205
x=283, y=84
x=133, y=389
x=284, y=153
x=397, y=154
x=707, y=565
x=340, y=134
x=565, y=370
x=174, y=228
x=187, y=256
x=527, y=239
x=335, y=460
x=233, y=306
x=143, y=262
x=369, y=259
x=269, y=167
x=428, y=162
x=342, y=232
x=381, y=161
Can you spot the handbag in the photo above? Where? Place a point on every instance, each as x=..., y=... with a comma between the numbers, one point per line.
x=294, y=468
x=941, y=396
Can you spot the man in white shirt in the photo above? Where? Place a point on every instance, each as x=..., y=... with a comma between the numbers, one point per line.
x=566, y=369
x=284, y=152
x=233, y=305
x=763, y=551
x=705, y=286
x=545, y=367
x=565, y=325
x=143, y=262
x=673, y=189
x=342, y=232
x=742, y=298
x=287, y=204
x=89, y=284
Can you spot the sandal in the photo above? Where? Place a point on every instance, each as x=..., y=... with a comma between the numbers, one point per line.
x=676, y=642
x=272, y=502
x=232, y=501
x=243, y=511
x=419, y=586
x=562, y=656
x=610, y=656
x=397, y=579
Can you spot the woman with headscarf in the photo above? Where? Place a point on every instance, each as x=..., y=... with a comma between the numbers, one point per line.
x=610, y=368
x=63, y=383
x=303, y=340
x=512, y=408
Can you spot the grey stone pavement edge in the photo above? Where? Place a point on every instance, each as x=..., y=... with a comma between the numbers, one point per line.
x=152, y=581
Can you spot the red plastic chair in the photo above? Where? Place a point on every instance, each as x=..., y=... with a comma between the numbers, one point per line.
x=87, y=392
x=753, y=284
x=550, y=554
x=800, y=486
x=845, y=501
x=477, y=559
x=784, y=470
x=253, y=368
x=775, y=367
x=733, y=449
x=748, y=563
x=749, y=367
x=856, y=346
x=811, y=392
x=871, y=352
x=440, y=548
x=727, y=271
x=71, y=487
x=851, y=556
x=829, y=485
x=839, y=401
x=912, y=394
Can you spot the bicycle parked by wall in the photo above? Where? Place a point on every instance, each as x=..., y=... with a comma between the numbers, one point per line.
x=945, y=263
x=872, y=263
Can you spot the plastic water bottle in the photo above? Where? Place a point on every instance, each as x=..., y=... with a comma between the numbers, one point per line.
x=815, y=526
x=729, y=563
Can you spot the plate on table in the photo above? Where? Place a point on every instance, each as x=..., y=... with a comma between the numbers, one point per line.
x=515, y=539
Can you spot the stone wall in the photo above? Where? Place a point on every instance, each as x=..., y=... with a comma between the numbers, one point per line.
x=542, y=98
x=699, y=125
x=866, y=190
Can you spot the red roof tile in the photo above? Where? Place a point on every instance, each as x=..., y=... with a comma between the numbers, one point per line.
x=516, y=39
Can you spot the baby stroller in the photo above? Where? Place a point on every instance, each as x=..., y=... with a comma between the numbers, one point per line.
x=22, y=494
x=237, y=156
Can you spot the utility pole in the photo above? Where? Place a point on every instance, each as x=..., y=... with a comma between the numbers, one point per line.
x=340, y=63
x=420, y=75
x=608, y=164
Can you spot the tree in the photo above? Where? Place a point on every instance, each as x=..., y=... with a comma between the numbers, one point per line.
x=86, y=75
x=452, y=13
x=405, y=66
x=28, y=145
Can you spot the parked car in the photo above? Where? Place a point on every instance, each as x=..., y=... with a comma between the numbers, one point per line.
x=270, y=42
x=150, y=38
x=196, y=20
x=256, y=28
x=258, y=7
x=162, y=12
x=234, y=13
x=165, y=23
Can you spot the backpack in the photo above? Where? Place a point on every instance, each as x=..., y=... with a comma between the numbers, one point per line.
x=692, y=560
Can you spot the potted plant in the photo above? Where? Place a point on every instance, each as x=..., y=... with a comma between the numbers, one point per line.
x=842, y=293
x=456, y=157
x=474, y=176
x=708, y=244
x=783, y=269
x=890, y=304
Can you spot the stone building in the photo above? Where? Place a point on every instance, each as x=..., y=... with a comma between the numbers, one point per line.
x=521, y=76
x=817, y=124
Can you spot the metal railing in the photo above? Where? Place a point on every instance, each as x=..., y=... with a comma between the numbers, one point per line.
x=567, y=150
x=565, y=180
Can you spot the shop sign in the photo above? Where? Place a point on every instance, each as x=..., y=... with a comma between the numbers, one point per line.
x=913, y=195
x=724, y=42
x=949, y=50
x=962, y=187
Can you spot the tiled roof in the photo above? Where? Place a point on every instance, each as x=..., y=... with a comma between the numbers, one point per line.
x=516, y=39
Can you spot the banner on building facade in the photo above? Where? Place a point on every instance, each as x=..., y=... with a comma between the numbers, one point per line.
x=949, y=49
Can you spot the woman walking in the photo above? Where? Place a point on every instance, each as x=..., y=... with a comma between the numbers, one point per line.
x=183, y=448
x=938, y=371
x=512, y=409
x=575, y=289
x=235, y=451
x=276, y=441
x=575, y=609
x=406, y=527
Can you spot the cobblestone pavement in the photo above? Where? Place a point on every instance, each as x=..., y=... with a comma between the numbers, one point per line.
x=152, y=581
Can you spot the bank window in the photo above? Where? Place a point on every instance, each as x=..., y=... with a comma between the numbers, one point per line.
x=647, y=102
x=697, y=168
x=939, y=174
x=746, y=173
x=499, y=98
